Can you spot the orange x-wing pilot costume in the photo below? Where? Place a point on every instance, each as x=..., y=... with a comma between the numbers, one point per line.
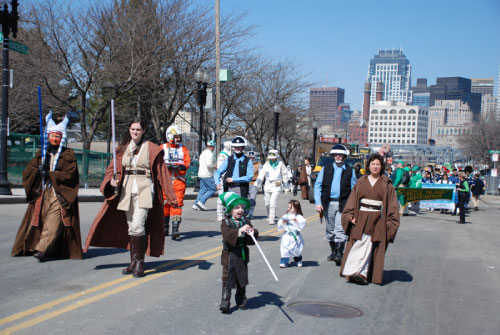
x=177, y=159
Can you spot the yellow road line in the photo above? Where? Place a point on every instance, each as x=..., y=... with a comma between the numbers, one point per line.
x=29, y=323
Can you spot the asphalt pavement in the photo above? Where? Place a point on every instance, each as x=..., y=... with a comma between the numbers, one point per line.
x=440, y=277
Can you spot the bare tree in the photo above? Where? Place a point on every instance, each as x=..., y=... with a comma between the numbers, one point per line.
x=483, y=137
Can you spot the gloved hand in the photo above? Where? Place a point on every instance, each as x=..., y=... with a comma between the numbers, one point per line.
x=43, y=172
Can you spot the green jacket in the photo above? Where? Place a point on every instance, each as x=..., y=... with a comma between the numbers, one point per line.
x=398, y=176
x=416, y=180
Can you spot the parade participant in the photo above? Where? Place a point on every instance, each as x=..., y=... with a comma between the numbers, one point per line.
x=132, y=217
x=223, y=155
x=477, y=189
x=206, y=176
x=176, y=157
x=305, y=179
x=275, y=173
x=252, y=193
x=371, y=217
x=463, y=193
x=401, y=179
x=51, y=225
x=235, y=255
x=415, y=182
x=237, y=170
x=292, y=242
x=331, y=190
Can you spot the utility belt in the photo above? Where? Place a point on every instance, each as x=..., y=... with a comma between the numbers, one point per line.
x=276, y=183
x=134, y=172
x=297, y=233
x=237, y=184
x=370, y=205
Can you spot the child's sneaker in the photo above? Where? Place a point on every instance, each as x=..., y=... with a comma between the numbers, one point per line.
x=282, y=265
x=299, y=264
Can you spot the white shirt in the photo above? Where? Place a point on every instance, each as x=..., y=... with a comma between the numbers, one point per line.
x=207, y=164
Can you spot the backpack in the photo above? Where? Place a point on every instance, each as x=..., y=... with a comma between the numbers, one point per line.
x=405, y=180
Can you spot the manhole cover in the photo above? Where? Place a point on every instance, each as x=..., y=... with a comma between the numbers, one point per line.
x=324, y=309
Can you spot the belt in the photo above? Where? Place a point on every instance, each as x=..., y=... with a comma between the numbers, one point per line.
x=371, y=206
x=135, y=172
x=334, y=199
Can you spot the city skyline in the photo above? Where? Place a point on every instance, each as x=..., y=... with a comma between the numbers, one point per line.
x=335, y=41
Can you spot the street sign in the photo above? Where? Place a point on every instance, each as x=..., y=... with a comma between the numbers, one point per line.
x=16, y=46
x=494, y=157
x=494, y=172
x=494, y=151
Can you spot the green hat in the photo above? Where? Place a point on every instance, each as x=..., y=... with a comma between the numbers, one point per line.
x=415, y=168
x=401, y=162
x=231, y=199
x=211, y=143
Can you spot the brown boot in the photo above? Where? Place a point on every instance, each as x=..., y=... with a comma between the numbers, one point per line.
x=140, y=247
x=130, y=268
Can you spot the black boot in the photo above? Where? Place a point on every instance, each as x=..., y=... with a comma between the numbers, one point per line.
x=40, y=256
x=175, y=229
x=340, y=252
x=334, y=251
x=130, y=268
x=240, y=297
x=166, y=224
x=140, y=251
x=225, y=302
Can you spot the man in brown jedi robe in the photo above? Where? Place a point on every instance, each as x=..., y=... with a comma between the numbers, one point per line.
x=305, y=179
x=383, y=230
x=110, y=228
x=51, y=225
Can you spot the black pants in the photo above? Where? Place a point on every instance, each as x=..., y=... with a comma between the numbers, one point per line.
x=462, y=198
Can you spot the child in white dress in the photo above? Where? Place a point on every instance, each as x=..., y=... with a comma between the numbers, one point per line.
x=292, y=241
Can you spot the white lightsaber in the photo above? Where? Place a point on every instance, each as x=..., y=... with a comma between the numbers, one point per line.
x=264, y=256
x=113, y=134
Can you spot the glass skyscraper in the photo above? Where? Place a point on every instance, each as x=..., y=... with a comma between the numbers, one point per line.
x=393, y=69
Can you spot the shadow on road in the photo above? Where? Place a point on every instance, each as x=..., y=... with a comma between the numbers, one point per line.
x=98, y=252
x=164, y=266
x=198, y=233
x=266, y=298
x=396, y=275
x=267, y=238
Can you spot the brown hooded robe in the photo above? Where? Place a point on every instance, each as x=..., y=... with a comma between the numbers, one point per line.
x=110, y=228
x=385, y=229
x=65, y=183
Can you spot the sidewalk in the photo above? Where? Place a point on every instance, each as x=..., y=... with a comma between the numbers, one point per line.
x=84, y=195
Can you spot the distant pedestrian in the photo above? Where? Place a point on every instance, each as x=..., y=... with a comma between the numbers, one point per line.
x=305, y=179
x=292, y=242
x=463, y=190
x=477, y=189
x=206, y=176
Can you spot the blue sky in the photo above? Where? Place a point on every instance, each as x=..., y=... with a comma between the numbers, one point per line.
x=334, y=40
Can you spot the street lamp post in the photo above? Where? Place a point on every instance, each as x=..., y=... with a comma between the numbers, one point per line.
x=315, y=137
x=277, y=111
x=9, y=23
x=202, y=78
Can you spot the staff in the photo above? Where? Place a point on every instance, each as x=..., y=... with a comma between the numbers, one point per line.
x=113, y=139
x=42, y=139
x=263, y=256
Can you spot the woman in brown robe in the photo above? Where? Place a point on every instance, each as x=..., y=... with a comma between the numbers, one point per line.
x=371, y=219
x=133, y=217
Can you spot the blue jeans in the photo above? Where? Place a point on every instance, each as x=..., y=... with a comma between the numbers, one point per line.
x=334, y=230
x=207, y=189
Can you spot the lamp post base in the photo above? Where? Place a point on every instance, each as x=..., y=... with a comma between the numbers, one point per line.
x=4, y=186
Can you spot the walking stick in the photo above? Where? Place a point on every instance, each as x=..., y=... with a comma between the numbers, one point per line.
x=263, y=256
x=113, y=139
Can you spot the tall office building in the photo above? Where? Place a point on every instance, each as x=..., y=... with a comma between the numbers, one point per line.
x=456, y=88
x=323, y=105
x=393, y=69
x=482, y=86
x=421, y=93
